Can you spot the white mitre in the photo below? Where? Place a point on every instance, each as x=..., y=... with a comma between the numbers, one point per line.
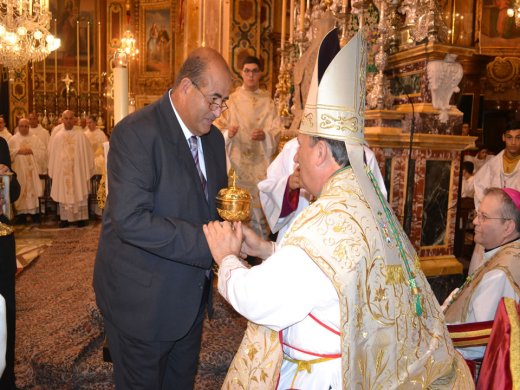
x=335, y=109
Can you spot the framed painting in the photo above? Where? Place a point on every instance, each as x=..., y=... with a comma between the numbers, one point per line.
x=75, y=24
x=144, y=100
x=156, y=38
x=497, y=31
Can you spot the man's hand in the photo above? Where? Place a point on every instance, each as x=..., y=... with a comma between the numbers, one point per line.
x=232, y=131
x=448, y=300
x=258, y=135
x=294, y=179
x=254, y=245
x=223, y=239
x=4, y=169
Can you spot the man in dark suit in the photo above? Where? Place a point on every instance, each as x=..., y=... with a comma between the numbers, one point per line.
x=8, y=271
x=152, y=273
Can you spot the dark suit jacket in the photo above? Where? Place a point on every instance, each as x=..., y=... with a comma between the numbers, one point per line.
x=152, y=258
x=7, y=249
x=5, y=159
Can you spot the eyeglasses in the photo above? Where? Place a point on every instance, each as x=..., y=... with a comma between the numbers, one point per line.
x=482, y=218
x=213, y=105
x=251, y=71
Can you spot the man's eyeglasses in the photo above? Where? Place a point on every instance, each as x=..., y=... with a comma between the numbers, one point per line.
x=251, y=71
x=213, y=105
x=483, y=217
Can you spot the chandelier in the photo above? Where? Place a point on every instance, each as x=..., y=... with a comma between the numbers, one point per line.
x=128, y=45
x=24, y=32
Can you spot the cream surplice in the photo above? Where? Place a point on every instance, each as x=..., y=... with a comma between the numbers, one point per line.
x=27, y=168
x=71, y=165
x=97, y=138
x=251, y=110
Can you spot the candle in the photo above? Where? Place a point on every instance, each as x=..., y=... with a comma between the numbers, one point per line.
x=284, y=17
x=33, y=90
x=258, y=48
x=77, y=57
x=344, y=5
x=55, y=59
x=120, y=92
x=291, y=22
x=302, y=15
x=99, y=59
x=88, y=56
x=44, y=83
x=382, y=11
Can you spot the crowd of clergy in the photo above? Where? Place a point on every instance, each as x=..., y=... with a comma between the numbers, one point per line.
x=60, y=162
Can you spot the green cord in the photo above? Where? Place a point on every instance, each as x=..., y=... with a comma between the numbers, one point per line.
x=411, y=278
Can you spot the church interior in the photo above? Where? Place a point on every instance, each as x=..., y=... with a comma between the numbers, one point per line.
x=443, y=81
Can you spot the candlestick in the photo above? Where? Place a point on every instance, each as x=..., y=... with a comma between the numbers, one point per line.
x=99, y=59
x=291, y=22
x=88, y=57
x=33, y=84
x=302, y=15
x=77, y=56
x=44, y=81
x=284, y=17
x=55, y=59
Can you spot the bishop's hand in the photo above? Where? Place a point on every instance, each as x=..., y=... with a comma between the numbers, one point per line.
x=224, y=239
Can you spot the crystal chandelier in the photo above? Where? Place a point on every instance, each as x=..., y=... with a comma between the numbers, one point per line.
x=128, y=45
x=24, y=32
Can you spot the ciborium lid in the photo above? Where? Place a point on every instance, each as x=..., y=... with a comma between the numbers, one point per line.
x=233, y=203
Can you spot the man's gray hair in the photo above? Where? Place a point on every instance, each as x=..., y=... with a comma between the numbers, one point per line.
x=508, y=208
x=337, y=148
x=193, y=68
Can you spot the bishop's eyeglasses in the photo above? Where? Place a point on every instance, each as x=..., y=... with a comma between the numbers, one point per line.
x=213, y=104
x=482, y=218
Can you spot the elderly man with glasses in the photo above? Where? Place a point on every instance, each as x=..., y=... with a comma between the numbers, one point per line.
x=252, y=128
x=152, y=275
x=497, y=229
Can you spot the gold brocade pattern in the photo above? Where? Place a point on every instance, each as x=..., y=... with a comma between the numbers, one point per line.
x=457, y=309
x=101, y=195
x=256, y=364
x=510, y=163
x=514, y=349
x=385, y=344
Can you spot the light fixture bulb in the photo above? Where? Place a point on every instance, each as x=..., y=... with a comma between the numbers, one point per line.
x=22, y=31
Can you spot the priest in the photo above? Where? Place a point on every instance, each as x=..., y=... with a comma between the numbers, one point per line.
x=71, y=165
x=28, y=155
x=251, y=129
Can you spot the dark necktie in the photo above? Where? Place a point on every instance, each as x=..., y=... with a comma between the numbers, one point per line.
x=194, y=147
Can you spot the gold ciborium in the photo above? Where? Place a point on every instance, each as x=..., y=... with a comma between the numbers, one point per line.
x=5, y=209
x=233, y=203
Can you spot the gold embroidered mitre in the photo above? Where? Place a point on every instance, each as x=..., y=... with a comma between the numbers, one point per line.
x=335, y=106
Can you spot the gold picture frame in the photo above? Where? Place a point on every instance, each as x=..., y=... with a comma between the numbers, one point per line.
x=497, y=33
x=156, y=38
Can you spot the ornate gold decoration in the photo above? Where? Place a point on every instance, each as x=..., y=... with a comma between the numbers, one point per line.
x=233, y=203
x=504, y=73
x=24, y=32
x=5, y=229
